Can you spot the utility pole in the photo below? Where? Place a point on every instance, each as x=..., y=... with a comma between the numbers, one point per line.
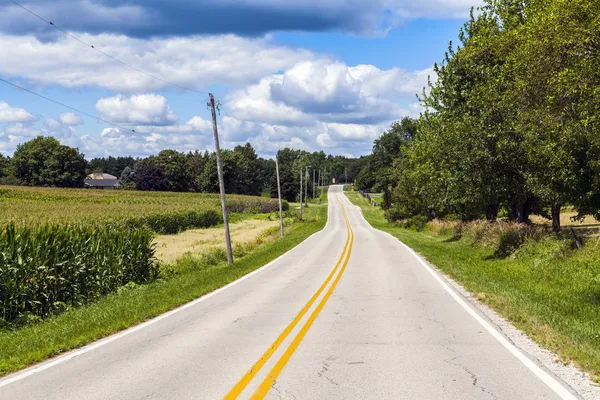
x=301, y=172
x=320, y=188
x=306, y=187
x=279, y=195
x=346, y=173
x=314, y=183
x=211, y=104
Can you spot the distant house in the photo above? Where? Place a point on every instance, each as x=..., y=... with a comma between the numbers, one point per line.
x=101, y=181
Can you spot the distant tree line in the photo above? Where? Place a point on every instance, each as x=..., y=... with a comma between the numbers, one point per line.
x=511, y=125
x=43, y=161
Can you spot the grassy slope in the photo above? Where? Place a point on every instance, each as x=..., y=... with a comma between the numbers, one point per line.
x=554, y=297
x=119, y=311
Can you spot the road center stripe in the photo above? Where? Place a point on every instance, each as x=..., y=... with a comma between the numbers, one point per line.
x=247, y=378
x=267, y=383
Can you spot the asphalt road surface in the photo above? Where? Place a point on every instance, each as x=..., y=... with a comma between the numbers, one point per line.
x=351, y=313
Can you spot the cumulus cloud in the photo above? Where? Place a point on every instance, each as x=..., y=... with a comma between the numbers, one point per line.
x=327, y=91
x=70, y=119
x=10, y=114
x=193, y=62
x=143, y=109
x=149, y=18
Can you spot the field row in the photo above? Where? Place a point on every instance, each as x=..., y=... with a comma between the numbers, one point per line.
x=26, y=205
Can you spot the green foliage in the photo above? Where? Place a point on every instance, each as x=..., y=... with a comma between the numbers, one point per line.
x=43, y=161
x=148, y=176
x=171, y=223
x=45, y=268
x=509, y=125
x=417, y=223
x=173, y=164
x=111, y=165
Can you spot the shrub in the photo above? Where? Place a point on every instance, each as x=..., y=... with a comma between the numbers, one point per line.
x=417, y=223
x=171, y=223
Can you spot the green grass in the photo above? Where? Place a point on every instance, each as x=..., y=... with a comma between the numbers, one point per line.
x=545, y=288
x=183, y=282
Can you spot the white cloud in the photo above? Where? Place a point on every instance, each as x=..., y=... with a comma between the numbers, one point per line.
x=194, y=62
x=144, y=109
x=325, y=140
x=10, y=114
x=327, y=91
x=70, y=119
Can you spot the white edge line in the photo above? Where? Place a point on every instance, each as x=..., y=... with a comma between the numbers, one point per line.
x=17, y=376
x=550, y=381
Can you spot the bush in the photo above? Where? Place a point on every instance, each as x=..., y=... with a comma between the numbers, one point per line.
x=417, y=223
x=256, y=205
x=171, y=223
x=46, y=268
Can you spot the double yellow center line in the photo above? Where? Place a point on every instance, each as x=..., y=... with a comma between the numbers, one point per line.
x=266, y=384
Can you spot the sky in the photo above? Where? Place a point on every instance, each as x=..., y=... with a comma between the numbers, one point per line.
x=327, y=75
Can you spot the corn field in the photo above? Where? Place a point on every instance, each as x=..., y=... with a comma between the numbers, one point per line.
x=26, y=205
x=45, y=268
x=68, y=247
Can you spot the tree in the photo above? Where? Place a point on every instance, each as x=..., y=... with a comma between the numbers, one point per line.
x=149, y=177
x=289, y=176
x=111, y=165
x=7, y=176
x=267, y=172
x=4, y=166
x=175, y=167
x=248, y=172
x=377, y=172
x=43, y=161
x=556, y=90
x=195, y=163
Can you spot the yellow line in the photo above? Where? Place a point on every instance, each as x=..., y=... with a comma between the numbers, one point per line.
x=266, y=385
x=247, y=378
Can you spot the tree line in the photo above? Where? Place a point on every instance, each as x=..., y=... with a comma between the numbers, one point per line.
x=511, y=124
x=44, y=161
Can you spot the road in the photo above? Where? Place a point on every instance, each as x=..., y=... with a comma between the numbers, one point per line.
x=381, y=325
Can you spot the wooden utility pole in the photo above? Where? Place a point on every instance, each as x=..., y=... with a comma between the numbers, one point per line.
x=314, y=184
x=320, y=188
x=211, y=104
x=306, y=188
x=301, y=188
x=279, y=195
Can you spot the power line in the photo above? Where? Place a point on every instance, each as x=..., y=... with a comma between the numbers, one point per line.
x=79, y=111
x=106, y=54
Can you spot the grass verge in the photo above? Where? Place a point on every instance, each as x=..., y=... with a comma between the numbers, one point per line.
x=545, y=288
x=188, y=279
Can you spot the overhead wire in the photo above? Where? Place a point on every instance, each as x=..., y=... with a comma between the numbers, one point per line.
x=79, y=111
x=104, y=53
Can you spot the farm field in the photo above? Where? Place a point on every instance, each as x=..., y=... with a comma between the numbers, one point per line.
x=195, y=241
x=69, y=247
x=25, y=205
x=183, y=278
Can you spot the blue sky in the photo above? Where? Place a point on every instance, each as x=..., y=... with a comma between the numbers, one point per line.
x=318, y=75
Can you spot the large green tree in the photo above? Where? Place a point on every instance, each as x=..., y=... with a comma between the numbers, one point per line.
x=43, y=161
x=176, y=169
